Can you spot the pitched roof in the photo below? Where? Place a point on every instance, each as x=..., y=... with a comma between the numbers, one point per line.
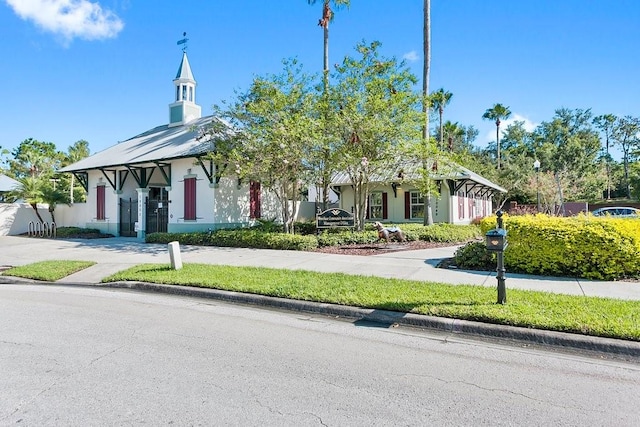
x=158, y=144
x=7, y=184
x=410, y=171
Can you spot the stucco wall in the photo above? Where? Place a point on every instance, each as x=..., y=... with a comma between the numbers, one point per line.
x=222, y=206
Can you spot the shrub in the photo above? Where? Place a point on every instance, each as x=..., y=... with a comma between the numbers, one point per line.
x=475, y=256
x=239, y=238
x=581, y=246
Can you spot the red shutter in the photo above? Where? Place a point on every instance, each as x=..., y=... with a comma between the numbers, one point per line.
x=384, y=206
x=254, y=200
x=100, y=214
x=407, y=205
x=190, y=199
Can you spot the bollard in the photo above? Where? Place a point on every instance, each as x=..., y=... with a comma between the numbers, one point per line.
x=174, y=255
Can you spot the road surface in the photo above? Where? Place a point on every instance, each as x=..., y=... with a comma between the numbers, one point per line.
x=85, y=356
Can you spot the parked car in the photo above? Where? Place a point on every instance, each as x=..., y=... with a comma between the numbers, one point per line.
x=618, y=212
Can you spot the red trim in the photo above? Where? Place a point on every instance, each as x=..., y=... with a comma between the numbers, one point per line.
x=407, y=205
x=190, y=199
x=384, y=206
x=100, y=205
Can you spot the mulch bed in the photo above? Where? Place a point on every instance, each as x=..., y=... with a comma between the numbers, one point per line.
x=379, y=248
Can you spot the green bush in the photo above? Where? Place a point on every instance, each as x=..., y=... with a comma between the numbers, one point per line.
x=582, y=246
x=268, y=235
x=475, y=256
x=239, y=238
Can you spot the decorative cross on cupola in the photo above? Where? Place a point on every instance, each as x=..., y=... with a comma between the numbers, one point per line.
x=184, y=108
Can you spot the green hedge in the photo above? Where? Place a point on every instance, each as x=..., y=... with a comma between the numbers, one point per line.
x=266, y=236
x=239, y=238
x=582, y=246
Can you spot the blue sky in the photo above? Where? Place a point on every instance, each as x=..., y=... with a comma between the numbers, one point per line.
x=102, y=70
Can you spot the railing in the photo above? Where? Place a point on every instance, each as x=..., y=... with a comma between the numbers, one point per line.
x=42, y=229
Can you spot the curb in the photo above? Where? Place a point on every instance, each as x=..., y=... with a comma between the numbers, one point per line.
x=533, y=336
x=383, y=317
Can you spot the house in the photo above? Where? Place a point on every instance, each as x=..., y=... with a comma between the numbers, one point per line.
x=161, y=180
x=6, y=185
x=394, y=197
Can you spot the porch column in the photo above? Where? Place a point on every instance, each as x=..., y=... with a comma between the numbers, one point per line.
x=141, y=228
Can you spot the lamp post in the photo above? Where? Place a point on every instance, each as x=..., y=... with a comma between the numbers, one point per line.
x=536, y=167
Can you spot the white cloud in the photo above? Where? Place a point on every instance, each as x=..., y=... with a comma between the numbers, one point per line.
x=529, y=126
x=411, y=56
x=69, y=18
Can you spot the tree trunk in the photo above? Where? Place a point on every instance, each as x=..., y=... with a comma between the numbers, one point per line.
x=426, y=45
x=498, y=142
x=35, y=209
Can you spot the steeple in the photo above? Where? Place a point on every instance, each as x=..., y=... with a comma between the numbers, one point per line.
x=184, y=109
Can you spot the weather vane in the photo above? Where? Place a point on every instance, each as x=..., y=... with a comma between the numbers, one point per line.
x=184, y=42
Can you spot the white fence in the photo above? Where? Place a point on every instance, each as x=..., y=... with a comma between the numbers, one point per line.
x=20, y=218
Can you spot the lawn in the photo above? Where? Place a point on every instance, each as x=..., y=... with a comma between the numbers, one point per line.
x=602, y=317
x=48, y=271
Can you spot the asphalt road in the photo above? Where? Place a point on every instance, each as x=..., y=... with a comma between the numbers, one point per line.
x=86, y=356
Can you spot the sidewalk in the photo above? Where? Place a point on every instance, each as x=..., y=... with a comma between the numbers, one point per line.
x=116, y=254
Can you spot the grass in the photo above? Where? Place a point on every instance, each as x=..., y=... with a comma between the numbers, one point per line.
x=48, y=271
x=602, y=317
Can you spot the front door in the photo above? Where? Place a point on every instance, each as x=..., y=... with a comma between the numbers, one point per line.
x=128, y=217
x=157, y=210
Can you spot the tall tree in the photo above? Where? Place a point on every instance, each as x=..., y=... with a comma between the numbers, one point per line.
x=496, y=113
x=568, y=147
x=427, y=148
x=377, y=116
x=76, y=152
x=453, y=133
x=325, y=142
x=606, y=123
x=275, y=123
x=626, y=134
x=34, y=158
x=439, y=100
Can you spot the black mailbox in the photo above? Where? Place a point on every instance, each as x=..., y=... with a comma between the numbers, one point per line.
x=496, y=240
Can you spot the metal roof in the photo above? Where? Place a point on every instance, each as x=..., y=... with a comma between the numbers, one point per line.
x=7, y=184
x=410, y=171
x=158, y=144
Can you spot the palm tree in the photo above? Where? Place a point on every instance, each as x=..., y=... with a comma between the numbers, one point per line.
x=497, y=112
x=327, y=17
x=454, y=133
x=53, y=197
x=78, y=151
x=30, y=190
x=440, y=99
x=426, y=69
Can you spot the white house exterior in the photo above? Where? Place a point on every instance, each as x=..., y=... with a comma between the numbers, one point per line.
x=160, y=180
x=463, y=195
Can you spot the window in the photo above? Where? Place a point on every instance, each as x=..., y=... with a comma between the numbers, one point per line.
x=375, y=206
x=413, y=205
x=190, y=94
x=100, y=206
x=177, y=93
x=190, y=199
x=184, y=92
